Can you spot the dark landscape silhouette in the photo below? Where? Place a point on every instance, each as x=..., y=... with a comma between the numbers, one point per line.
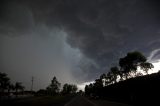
x=122, y=84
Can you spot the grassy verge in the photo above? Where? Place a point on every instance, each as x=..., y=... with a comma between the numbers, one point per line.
x=40, y=101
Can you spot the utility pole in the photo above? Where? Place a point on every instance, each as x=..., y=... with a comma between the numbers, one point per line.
x=32, y=83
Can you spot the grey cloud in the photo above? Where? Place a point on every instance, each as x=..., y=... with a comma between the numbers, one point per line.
x=102, y=30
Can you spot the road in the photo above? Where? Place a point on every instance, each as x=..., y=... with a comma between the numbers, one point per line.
x=82, y=101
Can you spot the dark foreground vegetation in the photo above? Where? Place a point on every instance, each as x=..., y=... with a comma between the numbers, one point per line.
x=124, y=83
x=136, y=91
x=57, y=100
x=16, y=95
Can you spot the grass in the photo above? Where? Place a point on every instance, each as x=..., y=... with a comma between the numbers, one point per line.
x=39, y=101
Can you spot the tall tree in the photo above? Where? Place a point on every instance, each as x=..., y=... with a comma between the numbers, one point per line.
x=69, y=89
x=74, y=89
x=18, y=87
x=97, y=87
x=11, y=87
x=4, y=82
x=146, y=66
x=109, y=78
x=114, y=73
x=54, y=87
x=131, y=62
x=103, y=79
x=86, y=89
x=89, y=90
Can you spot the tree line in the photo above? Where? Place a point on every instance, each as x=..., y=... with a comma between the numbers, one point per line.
x=6, y=87
x=54, y=88
x=128, y=68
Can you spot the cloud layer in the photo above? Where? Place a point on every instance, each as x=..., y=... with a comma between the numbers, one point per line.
x=87, y=37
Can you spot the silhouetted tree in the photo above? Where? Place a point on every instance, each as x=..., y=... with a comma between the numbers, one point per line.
x=114, y=73
x=146, y=66
x=128, y=68
x=138, y=74
x=80, y=92
x=109, y=78
x=74, y=89
x=18, y=87
x=86, y=89
x=69, y=89
x=11, y=87
x=4, y=82
x=54, y=87
x=131, y=62
x=97, y=87
x=103, y=78
x=89, y=90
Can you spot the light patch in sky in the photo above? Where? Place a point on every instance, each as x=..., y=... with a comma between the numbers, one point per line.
x=153, y=53
x=156, y=67
x=155, y=61
x=82, y=86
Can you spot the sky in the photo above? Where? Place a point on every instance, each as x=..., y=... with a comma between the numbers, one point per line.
x=74, y=40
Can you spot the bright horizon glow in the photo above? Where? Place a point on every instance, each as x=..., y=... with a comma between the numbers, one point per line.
x=82, y=86
x=156, y=67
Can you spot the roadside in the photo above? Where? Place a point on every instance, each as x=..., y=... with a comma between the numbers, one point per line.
x=39, y=101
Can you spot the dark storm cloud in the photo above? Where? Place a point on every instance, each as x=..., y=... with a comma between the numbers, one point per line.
x=103, y=30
